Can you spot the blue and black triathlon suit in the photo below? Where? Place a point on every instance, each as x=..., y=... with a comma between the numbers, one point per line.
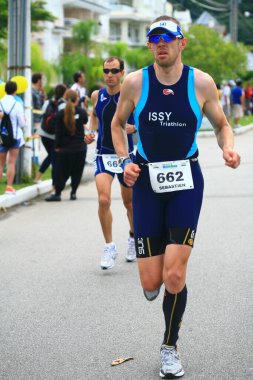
x=167, y=119
x=105, y=110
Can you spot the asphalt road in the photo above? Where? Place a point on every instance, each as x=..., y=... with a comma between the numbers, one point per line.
x=62, y=318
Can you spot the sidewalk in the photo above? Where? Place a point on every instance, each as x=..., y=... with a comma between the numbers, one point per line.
x=31, y=192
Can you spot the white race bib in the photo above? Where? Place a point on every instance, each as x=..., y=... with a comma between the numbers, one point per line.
x=170, y=176
x=110, y=162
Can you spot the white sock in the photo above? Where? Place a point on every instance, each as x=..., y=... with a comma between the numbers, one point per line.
x=110, y=244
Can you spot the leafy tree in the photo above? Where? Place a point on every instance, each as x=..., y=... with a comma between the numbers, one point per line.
x=38, y=13
x=245, y=25
x=207, y=51
x=118, y=49
x=82, y=32
x=75, y=61
x=3, y=18
x=139, y=57
x=39, y=64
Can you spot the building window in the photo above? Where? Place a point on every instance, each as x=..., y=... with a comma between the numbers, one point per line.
x=129, y=3
x=115, y=31
x=133, y=33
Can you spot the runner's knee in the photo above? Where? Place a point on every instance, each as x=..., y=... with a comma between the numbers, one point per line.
x=127, y=204
x=104, y=201
x=174, y=281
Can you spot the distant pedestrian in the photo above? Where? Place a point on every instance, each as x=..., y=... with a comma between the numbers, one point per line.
x=38, y=97
x=248, y=99
x=78, y=86
x=238, y=98
x=225, y=99
x=11, y=106
x=48, y=139
x=70, y=146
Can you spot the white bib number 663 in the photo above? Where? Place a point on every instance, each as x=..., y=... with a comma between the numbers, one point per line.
x=170, y=176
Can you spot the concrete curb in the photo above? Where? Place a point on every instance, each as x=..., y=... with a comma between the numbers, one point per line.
x=25, y=194
x=31, y=192
x=34, y=191
x=237, y=131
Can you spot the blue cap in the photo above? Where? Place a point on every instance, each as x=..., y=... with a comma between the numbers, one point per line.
x=168, y=26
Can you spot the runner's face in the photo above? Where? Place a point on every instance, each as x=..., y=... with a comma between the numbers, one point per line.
x=166, y=54
x=112, y=80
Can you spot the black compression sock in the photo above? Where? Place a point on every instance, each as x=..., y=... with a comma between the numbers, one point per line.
x=173, y=308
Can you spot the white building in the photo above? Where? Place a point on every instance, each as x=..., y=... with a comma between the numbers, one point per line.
x=68, y=12
x=184, y=17
x=210, y=21
x=118, y=20
x=130, y=19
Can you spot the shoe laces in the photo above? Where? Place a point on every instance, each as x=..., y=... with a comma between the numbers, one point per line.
x=131, y=244
x=169, y=355
x=109, y=252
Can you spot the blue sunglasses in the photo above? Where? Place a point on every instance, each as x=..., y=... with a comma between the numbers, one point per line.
x=155, y=38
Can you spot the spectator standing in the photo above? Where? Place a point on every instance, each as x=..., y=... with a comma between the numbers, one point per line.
x=70, y=146
x=48, y=140
x=248, y=99
x=78, y=86
x=225, y=100
x=11, y=106
x=38, y=97
x=238, y=99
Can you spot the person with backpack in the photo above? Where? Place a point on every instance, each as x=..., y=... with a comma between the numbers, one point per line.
x=12, y=123
x=70, y=145
x=47, y=131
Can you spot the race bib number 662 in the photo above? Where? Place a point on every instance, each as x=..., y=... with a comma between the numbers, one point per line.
x=170, y=176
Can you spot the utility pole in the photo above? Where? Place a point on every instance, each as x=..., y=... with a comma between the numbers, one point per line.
x=234, y=20
x=19, y=63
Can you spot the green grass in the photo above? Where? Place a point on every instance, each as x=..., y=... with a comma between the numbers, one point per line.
x=245, y=120
x=26, y=181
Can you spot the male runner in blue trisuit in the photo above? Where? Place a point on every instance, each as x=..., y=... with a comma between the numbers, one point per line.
x=104, y=106
x=168, y=99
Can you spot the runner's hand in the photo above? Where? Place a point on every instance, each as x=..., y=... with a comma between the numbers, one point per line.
x=131, y=173
x=232, y=158
x=89, y=138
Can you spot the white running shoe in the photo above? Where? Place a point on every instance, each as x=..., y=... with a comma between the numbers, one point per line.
x=109, y=256
x=131, y=253
x=171, y=367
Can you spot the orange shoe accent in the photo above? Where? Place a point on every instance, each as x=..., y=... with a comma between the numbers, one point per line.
x=10, y=190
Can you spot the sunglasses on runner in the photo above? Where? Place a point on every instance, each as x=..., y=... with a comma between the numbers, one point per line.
x=113, y=71
x=155, y=38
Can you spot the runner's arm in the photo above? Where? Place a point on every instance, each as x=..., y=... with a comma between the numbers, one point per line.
x=215, y=114
x=125, y=107
x=93, y=126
